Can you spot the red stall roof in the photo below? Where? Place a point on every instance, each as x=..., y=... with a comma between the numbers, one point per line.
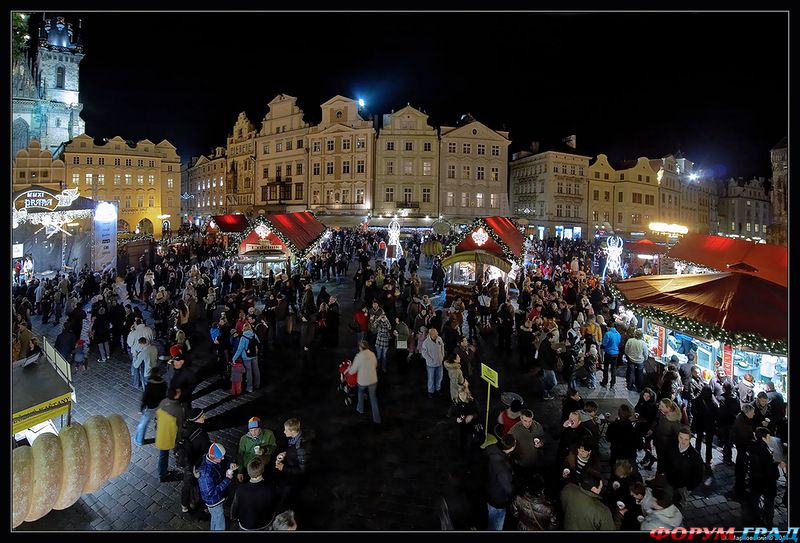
x=735, y=302
x=646, y=247
x=231, y=223
x=504, y=229
x=303, y=229
x=762, y=260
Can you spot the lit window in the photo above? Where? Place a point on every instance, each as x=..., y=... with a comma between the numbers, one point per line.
x=466, y=173
x=493, y=202
x=479, y=199
x=595, y=216
x=76, y=178
x=361, y=143
x=128, y=178
x=140, y=180
x=117, y=178
x=88, y=179
x=101, y=179
x=408, y=167
x=747, y=226
x=171, y=183
x=426, y=168
x=636, y=218
x=451, y=199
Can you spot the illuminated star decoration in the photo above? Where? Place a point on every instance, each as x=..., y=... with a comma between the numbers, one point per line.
x=480, y=236
x=614, y=255
x=66, y=197
x=262, y=230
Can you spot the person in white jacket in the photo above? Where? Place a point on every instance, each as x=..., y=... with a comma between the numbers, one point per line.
x=365, y=366
x=140, y=329
x=664, y=513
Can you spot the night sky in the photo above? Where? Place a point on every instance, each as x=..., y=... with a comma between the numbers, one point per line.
x=714, y=85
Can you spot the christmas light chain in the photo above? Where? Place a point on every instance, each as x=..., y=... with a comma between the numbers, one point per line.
x=481, y=222
x=253, y=223
x=749, y=340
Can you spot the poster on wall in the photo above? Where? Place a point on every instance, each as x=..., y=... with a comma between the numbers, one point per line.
x=727, y=359
x=18, y=251
x=105, y=236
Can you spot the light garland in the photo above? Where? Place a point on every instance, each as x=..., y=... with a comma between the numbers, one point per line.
x=49, y=219
x=235, y=240
x=480, y=222
x=131, y=239
x=614, y=256
x=749, y=340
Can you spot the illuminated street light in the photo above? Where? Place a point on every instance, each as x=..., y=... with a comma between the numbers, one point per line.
x=361, y=103
x=693, y=177
x=663, y=228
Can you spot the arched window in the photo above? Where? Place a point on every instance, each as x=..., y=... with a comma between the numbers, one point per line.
x=60, y=77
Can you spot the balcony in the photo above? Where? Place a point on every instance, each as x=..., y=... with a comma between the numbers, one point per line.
x=407, y=205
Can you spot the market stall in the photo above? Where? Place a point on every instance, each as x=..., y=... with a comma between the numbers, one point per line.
x=267, y=242
x=736, y=319
x=488, y=248
x=645, y=257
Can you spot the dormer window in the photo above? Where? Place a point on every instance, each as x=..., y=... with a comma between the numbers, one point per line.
x=338, y=114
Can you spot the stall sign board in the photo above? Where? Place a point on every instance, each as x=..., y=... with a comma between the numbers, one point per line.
x=17, y=251
x=489, y=375
x=660, y=345
x=727, y=359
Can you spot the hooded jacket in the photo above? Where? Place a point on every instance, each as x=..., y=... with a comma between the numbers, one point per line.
x=583, y=510
x=665, y=434
x=669, y=517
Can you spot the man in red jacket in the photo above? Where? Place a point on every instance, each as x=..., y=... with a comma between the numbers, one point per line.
x=361, y=318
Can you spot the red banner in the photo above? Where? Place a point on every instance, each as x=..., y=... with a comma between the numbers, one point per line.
x=727, y=359
x=659, y=350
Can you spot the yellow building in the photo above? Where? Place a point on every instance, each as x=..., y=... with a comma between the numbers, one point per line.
x=407, y=166
x=281, y=167
x=142, y=177
x=473, y=172
x=36, y=166
x=669, y=188
x=341, y=161
x=207, y=185
x=241, y=163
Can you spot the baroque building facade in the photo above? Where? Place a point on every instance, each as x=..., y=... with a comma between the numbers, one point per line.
x=341, y=160
x=473, y=171
x=45, y=91
x=406, y=166
x=744, y=209
x=206, y=183
x=142, y=178
x=241, y=164
x=281, y=167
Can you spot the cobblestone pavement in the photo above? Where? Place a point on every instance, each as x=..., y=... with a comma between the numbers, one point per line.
x=364, y=477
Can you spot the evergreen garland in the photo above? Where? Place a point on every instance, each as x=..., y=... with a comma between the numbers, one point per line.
x=480, y=222
x=747, y=340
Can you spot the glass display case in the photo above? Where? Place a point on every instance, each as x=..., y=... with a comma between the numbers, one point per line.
x=763, y=367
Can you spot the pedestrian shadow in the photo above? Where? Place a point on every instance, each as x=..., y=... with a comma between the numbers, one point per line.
x=216, y=385
x=216, y=422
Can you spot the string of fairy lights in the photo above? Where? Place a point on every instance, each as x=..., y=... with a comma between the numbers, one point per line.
x=481, y=223
x=749, y=340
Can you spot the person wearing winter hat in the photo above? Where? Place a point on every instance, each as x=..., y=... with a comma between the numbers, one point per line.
x=215, y=481
x=257, y=441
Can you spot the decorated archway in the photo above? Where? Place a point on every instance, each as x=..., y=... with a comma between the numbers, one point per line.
x=145, y=226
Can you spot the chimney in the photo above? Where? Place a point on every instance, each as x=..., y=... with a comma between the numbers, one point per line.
x=534, y=147
x=570, y=141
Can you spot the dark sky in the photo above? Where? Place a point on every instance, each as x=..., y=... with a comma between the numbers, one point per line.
x=627, y=84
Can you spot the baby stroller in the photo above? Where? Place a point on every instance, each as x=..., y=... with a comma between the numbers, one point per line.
x=348, y=383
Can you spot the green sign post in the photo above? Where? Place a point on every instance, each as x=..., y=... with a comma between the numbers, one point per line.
x=490, y=376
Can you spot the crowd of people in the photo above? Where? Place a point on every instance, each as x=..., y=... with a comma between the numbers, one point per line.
x=555, y=320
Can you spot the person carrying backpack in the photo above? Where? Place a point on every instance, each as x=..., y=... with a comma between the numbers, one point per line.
x=247, y=352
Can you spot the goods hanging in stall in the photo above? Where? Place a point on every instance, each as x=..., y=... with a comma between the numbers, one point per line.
x=735, y=319
x=269, y=241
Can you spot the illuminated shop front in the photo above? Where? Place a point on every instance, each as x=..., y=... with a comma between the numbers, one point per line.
x=487, y=249
x=734, y=320
x=52, y=231
x=268, y=242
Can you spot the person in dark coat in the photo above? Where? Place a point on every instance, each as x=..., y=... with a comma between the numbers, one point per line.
x=763, y=477
x=742, y=436
x=622, y=436
x=704, y=421
x=728, y=409
x=572, y=402
x=196, y=443
x=646, y=411
x=256, y=501
x=65, y=342
x=101, y=333
x=500, y=484
x=684, y=469
x=293, y=464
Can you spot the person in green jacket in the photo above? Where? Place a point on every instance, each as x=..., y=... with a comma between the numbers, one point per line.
x=583, y=507
x=257, y=441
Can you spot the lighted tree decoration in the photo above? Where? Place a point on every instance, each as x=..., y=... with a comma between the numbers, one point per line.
x=394, y=238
